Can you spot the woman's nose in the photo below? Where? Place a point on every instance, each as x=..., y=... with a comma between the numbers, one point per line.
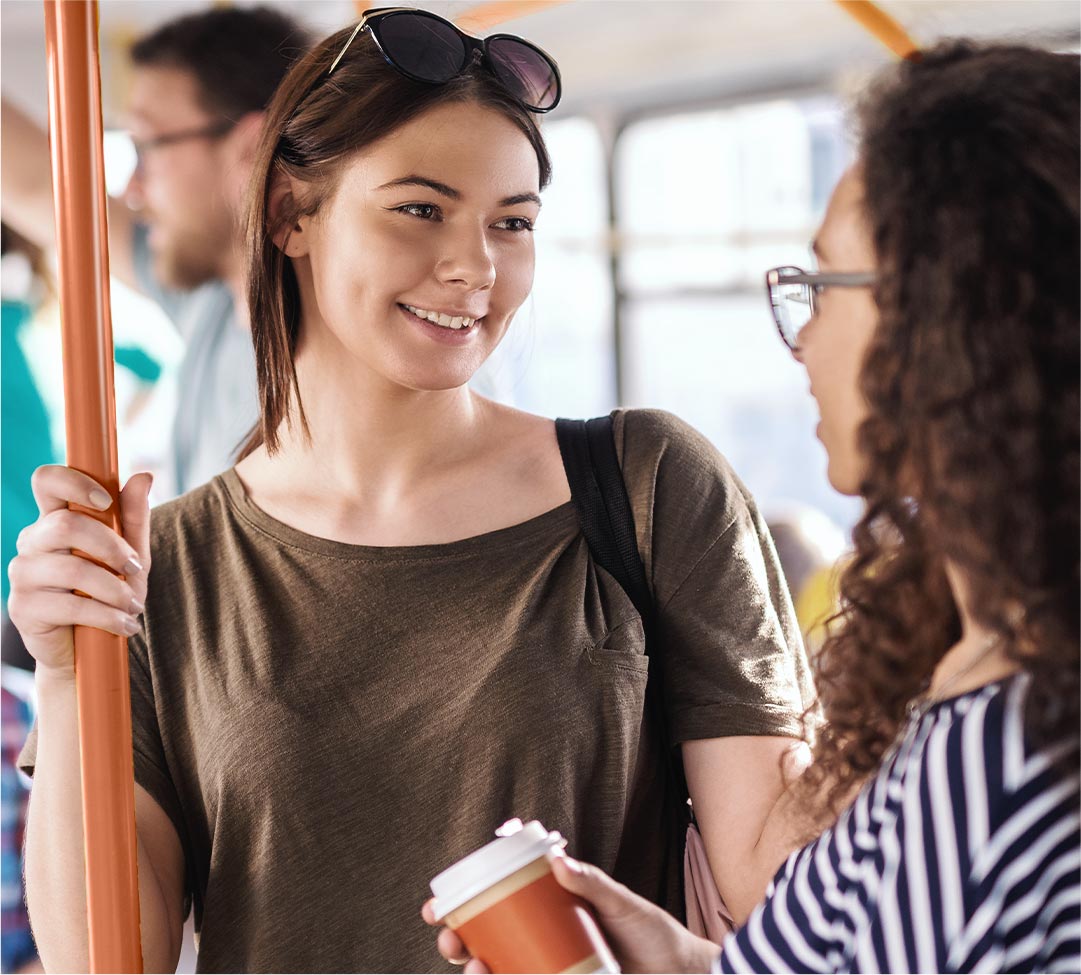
x=468, y=262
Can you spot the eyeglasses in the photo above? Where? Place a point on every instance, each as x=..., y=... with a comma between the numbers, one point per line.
x=792, y=293
x=432, y=50
x=214, y=131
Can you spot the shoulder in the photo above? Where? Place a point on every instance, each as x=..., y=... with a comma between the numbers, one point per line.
x=658, y=432
x=191, y=516
x=998, y=723
x=660, y=450
x=1031, y=791
x=1025, y=839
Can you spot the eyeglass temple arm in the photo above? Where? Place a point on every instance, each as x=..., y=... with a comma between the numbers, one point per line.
x=360, y=26
x=837, y=279
x=356, y=30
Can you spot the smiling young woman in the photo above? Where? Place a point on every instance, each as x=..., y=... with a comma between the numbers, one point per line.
x=383, y=633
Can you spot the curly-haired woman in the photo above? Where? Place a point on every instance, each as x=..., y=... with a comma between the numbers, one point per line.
x=941, y=341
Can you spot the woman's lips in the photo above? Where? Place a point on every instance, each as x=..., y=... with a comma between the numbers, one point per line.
x=440, y=333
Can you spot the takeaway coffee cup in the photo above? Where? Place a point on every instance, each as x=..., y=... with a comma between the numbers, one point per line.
x=510, y=911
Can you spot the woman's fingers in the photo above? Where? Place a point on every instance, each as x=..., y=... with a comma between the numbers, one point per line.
x=135, y=515
x=65, y=573
x=450, y=947
x=593, y=885
x=63, y=530
x=428, y=912
x=55, y=486
x=42, y=611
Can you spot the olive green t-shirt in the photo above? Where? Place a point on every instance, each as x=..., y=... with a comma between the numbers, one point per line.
x=329, y=726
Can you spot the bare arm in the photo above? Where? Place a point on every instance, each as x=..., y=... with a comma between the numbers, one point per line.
x=55, y=870
x=750, y=820
x=26, y=193
x=43, y=605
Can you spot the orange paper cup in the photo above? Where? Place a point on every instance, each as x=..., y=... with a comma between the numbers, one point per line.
x=510, y=911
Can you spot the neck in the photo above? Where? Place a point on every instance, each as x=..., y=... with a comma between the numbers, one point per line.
x=974, y=660
x=374, y=444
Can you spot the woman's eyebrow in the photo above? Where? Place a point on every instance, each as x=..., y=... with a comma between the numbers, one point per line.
x=511, y=201
x=432, y=184
x=450, y=192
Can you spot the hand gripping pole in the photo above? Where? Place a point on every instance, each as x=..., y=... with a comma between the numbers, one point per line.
x=101, y=659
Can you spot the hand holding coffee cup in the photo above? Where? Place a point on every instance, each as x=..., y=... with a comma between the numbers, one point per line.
x=643, y=937
x=507, y=909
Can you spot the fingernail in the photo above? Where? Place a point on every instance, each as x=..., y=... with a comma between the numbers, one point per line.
x=100, y=499
x=131, y=626
x=136, y=607
x=572, y=865
x=132, y=567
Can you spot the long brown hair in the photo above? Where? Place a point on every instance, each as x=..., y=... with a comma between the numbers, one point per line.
x=970, y=160
x=315, y=125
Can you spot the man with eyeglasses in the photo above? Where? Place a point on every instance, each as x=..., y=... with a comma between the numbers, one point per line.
x=198, y=90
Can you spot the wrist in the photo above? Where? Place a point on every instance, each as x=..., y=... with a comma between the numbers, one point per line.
x=53, y=681
x=700, y=955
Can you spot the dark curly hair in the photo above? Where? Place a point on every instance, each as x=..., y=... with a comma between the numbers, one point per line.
x=970, y=162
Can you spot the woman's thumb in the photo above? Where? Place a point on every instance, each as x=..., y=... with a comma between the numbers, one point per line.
x=589, y=883
x=135, y=513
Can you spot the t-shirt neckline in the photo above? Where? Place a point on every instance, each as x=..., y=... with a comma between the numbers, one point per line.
x=553, y=521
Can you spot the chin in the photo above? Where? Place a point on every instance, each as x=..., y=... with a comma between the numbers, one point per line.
x=843, y=478
x=433, y=380
x=174, y=271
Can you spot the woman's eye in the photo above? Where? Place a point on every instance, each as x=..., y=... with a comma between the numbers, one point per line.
x=425, y=211
x=516, y=225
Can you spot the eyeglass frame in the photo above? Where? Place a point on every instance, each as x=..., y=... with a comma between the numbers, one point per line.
x=777, y=276
x=474, y=44
x=213, y=131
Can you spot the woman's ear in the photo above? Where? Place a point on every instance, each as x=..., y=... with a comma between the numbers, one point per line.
x=289, y=229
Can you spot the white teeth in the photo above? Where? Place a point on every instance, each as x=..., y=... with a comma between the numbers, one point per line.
x=446, y=321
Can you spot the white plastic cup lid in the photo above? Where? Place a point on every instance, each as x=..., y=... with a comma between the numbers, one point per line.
x=517, y=846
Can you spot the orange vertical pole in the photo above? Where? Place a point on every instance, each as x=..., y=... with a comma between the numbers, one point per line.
x=101, y=659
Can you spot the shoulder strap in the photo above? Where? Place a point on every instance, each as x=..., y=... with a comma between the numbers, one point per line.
x=604, y=510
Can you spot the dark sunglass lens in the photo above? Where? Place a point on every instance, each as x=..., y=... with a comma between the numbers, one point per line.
x=425, y=47
x=526, y=72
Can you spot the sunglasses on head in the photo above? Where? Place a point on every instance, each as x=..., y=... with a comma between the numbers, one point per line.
x=428, y=48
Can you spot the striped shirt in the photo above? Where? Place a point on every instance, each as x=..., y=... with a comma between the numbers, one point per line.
x=962, y=854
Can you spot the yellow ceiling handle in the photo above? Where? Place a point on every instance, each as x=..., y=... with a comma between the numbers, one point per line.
x=882, y=27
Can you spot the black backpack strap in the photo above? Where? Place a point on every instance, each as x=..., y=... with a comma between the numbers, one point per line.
x=604, y=511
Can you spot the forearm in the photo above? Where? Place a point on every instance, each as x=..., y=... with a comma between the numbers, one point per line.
x=752, y=811
x=25, y=177
x=55, y=864
x=798, y=817
x=744, y=871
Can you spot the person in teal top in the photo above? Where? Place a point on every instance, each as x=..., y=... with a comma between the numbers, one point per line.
x=26, y=442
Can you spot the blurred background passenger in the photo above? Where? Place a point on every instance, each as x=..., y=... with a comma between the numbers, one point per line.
x=27, y=441
x=198, y=89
